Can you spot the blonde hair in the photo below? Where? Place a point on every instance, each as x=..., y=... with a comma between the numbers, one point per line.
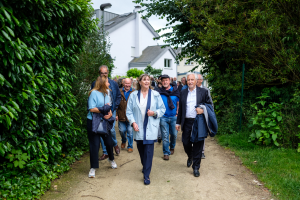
x=138, y=86
x=100, y=85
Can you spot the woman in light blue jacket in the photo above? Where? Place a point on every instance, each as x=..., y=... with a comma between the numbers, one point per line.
x=144, y=108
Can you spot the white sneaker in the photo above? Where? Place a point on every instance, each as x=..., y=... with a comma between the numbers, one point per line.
x=92, y=173
x=112, y=163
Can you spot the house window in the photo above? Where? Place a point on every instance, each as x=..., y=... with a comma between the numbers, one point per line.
x=168, y=63
x=133, y=51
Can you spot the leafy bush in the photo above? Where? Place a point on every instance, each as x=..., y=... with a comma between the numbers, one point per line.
x=152, y=71
x=266, y=121
x=39, y=41
x=134, y=72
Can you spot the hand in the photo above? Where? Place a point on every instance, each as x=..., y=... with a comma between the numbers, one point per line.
x=117, y=118
x=135, y=126
x=108, y=116
x=177, y=127
x=199, y=111
x=150, y=113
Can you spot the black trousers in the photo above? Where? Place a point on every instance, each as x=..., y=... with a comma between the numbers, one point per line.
x=146, y=154
x=193, y=150
x=94, y=140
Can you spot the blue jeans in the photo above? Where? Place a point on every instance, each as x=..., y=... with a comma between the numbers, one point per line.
x=123, y=128
x=167, y=127
x=113, y=136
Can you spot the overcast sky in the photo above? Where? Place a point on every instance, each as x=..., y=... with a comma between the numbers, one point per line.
x=125, y=6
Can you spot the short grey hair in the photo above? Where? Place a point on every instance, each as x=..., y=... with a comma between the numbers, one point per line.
x=191, y=73
x=103, y=66
x=201, y=76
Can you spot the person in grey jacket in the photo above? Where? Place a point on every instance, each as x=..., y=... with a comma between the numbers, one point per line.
x=144, y=109
x=199, y=84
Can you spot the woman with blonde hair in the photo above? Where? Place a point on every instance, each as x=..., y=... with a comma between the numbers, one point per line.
x=97, y=98
x=144, y=108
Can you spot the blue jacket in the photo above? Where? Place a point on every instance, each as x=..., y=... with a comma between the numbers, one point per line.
x=134, y=114
x=204, y=124
x=116, y=94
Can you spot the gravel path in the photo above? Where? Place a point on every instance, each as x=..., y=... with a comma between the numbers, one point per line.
x=222, y=177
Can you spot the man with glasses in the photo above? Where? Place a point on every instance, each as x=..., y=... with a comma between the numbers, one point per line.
x=115, y=98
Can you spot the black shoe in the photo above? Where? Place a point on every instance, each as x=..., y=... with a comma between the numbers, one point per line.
x=159, y=140
x=203, y=156
x=196, y=173
x=189, y=162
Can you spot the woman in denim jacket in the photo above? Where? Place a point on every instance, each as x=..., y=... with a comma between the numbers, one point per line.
x=144, y=108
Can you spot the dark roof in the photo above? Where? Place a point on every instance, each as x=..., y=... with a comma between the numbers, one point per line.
x=117, y=20
x=122, y=19
x=149, y=54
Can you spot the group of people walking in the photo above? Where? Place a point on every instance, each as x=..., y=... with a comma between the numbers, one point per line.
x=144, y=113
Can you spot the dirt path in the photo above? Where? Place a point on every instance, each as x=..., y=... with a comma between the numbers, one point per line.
x=222, y=177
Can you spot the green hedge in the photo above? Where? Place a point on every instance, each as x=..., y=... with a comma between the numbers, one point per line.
x=39, y=40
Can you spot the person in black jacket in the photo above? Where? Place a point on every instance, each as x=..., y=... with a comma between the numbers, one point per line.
x=187, y=113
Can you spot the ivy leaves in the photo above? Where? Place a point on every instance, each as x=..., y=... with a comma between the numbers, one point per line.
x=39, y=41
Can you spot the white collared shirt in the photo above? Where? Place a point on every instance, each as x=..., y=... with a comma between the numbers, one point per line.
x=191, y=102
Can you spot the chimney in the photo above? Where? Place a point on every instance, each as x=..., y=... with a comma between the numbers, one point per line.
x=138, y=21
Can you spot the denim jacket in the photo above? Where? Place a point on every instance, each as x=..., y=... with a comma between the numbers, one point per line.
x=134, y=114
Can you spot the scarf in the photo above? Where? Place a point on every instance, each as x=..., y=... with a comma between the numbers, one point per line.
x=168, y=94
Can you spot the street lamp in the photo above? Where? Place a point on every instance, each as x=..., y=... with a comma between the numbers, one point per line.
x=102, y=8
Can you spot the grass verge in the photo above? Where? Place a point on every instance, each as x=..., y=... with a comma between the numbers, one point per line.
x=278, y=169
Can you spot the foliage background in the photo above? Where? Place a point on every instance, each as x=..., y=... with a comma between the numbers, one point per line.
x=38, y=51
x=224, y=35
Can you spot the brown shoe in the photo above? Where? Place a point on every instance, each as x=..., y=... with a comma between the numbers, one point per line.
x=166, y=157
x=123, y=145
x=117, y=150
x=130, y=150
x=103, y=157
x=172, y=151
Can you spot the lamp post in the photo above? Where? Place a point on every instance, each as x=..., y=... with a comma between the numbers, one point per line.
x=102, y=8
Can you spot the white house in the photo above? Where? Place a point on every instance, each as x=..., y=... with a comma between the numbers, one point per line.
x=184, y=67
x=133, y=45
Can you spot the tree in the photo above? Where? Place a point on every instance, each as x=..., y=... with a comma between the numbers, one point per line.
x=152, y=71
x=95, y=53
x=134, y=72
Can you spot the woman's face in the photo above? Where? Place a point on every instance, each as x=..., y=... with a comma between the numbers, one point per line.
x=145, y=82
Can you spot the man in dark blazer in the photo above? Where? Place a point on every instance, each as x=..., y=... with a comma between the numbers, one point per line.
x=187, y=113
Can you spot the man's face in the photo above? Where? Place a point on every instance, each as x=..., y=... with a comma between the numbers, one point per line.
x=103, y=72
x=175, y=79
x=127, y=84
x=183, y=81
x=165, y=82
x=191, y=81
x=200, y=80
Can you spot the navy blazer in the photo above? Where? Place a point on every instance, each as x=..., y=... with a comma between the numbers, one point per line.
x=204, y=125
x=202, y=98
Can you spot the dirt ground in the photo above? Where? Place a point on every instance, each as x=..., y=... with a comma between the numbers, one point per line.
x=222, y=177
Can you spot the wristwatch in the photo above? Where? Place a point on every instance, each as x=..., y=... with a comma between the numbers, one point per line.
x=155, y=114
